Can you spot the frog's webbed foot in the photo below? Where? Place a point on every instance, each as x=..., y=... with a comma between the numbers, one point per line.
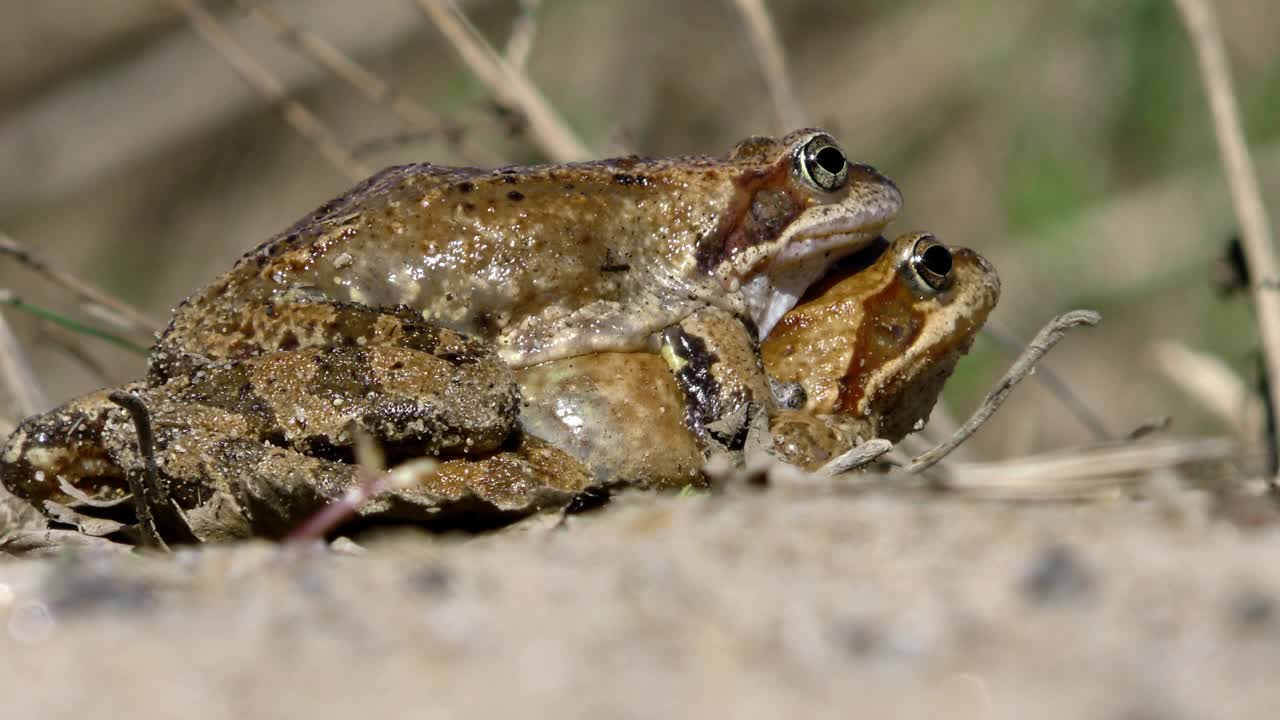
x=812, y=441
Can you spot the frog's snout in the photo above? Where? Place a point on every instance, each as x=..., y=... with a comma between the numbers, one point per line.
x=865, y=174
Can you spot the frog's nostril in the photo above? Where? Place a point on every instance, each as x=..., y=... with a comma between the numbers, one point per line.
x=865, y=173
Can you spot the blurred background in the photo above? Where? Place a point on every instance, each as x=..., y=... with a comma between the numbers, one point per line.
x=1068, y=141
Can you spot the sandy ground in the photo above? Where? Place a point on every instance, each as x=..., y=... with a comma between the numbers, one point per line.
x=752, y=604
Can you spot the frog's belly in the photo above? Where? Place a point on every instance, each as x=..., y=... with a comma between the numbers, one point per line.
x=620, y=414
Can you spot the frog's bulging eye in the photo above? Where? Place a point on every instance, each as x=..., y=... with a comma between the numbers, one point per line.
x=932, y=262
x=823, y=164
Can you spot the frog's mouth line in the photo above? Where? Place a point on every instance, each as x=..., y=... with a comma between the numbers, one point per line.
x=771, y=294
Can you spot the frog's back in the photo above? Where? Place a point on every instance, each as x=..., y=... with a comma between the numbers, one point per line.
x=476, y=250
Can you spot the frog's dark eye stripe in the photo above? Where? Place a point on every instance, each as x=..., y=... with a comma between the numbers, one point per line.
x=822, y=163
x=932, y=262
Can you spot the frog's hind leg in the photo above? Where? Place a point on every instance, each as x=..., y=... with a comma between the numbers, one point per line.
x=253, y=447
x=231, y=487
x=59, y=459
x=295, y=322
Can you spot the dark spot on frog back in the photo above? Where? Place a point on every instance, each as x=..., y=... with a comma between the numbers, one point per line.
x=515, y=196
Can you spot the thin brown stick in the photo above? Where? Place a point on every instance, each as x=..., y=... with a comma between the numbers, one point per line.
x=124, y=313
x=299, y=117
x=546, y=129
x=421, y=121
x=19, y=377
x=1242, y=180
x=1056, y=386
x=1026, y=363
x=148, y=493
x=767, y=47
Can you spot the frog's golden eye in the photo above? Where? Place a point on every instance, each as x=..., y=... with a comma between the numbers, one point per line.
x=931, y=262
x=822, y=163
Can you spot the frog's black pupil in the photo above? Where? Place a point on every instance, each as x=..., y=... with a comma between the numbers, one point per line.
x=937, y=260
x=830, y=159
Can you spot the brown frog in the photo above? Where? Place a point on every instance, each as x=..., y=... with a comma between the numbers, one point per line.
x=402, y=307
x=867, y=351
x=872, y=343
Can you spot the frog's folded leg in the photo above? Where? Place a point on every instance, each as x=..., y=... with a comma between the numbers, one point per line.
x=252, y=447
x=231, y=488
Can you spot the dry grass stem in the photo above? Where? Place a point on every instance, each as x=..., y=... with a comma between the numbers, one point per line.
x=857, y=457
x=546, y=128
x=1082, y=473
x=19, y=376
x=1213, y=384
x=1255, y=227
x=307, y=123
x=148, y=492
x=412, y=114
x=767, y=48
x=120, y=311
x=523, y=30
x=1026, y=363
x=1056, y=386
x=69, y=343
x=372, y=479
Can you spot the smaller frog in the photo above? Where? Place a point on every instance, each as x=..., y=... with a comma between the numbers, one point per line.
x=866, y=353
x=873, y=343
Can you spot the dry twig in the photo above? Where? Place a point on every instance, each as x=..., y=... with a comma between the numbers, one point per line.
x=547, y=130
x=856, y=457
x=124, y=313
x=1255, y=227
x=148, y=492
x=372, y=479
x=307, y=123
x=767, y=48
x=1055, y=385
x=419, y=120
x=1213, y=384
x=1026, y=363
x=19, y=377
x=1077, y=474
x=520, y=41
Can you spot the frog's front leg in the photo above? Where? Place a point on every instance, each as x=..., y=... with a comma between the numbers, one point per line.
x=717, y=366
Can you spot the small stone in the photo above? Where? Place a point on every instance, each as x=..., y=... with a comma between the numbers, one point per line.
x=1057, y=577
x=1253, y=609
x=431, y=579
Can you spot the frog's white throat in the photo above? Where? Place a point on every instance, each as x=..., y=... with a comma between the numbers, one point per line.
x=770, y=295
